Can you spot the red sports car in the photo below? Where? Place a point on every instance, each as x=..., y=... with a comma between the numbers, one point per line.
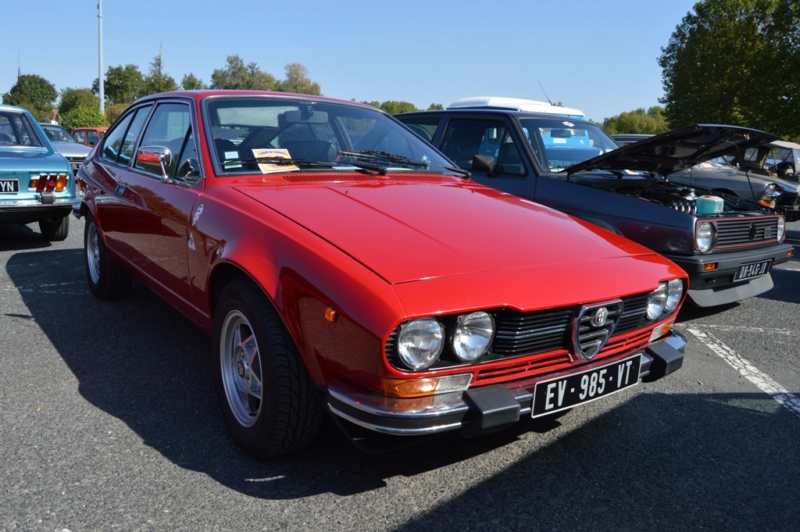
x=343, y=264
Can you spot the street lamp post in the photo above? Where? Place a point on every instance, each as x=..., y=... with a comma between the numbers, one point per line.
x=100, y=55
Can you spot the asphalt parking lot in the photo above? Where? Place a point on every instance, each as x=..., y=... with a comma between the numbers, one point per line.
x=108, y=421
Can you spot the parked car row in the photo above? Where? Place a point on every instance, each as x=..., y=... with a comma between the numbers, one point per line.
x=344, y=265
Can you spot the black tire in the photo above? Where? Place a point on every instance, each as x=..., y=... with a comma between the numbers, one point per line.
x=55, y=229
x=268, y=401
x=107, y=279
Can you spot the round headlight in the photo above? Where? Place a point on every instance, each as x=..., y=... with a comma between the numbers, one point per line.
x=420, y=342
x=771, y=191
x=473, y=336
x=674, y=294
x=781, y=228
x=704, y=238
x=657, y=302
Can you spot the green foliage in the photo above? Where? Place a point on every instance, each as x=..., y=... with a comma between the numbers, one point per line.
x=395, y=107
x=735, y=62
x=436, y=107
x=652, y=121
x=297, y=81
x=75, y=98
x=190, y=82
x=114, y=110
x=156, y=80
x=35, y=94
x=238, y=76
x=83, y=117
x=123, y=85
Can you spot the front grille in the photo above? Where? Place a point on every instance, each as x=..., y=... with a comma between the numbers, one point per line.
x=550, y=333
x=746, y=232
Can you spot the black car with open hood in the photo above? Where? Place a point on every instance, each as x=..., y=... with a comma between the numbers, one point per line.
x=727, y=245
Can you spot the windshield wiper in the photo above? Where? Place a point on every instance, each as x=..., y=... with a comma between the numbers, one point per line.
x=374, y=155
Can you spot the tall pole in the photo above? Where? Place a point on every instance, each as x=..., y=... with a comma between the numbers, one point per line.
x=100, y=82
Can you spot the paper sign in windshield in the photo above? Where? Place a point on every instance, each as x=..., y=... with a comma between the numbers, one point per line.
x=280, y=153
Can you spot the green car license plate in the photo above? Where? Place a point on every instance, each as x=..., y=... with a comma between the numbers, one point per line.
x=573, y=390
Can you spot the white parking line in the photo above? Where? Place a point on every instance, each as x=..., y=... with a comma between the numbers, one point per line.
x=749, y=371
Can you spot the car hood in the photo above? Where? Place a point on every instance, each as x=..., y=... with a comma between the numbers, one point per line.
x=416, y=230
x=678, y=149
x=70, y=149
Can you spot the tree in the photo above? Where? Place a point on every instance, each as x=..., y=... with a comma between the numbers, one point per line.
x=395, y=107
x=157, y=80
x=190, y=82
x=82, y=117
x=123, y=85
x=652, y=121
x=436, y=107
x=35, y=94
x=735, y=62
x=297, y=81
x=76, y=98
x=238, y=76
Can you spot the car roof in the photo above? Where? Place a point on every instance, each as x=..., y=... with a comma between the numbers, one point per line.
x=201, y=94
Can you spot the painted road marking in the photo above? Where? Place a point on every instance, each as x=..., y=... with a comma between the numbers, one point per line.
x=747, y=370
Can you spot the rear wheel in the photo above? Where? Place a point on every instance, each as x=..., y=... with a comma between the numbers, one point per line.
x=107, y=279
x=55, y=229
x=268, y=401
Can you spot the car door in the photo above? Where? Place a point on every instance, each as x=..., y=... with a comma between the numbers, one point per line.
x=148, y=221
x=462, y=138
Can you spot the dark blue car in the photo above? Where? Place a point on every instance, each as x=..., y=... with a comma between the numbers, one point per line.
x=726, y=245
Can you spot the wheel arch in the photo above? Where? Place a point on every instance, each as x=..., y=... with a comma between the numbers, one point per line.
x=227, y=272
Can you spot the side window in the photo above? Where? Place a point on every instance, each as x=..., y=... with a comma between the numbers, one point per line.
x=425, y=128
x=118, y=147
x=465, y=138
x=169, y=128
x=80, y=136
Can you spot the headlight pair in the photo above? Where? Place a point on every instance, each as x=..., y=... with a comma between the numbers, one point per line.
x=664, y=299
x=421, y=342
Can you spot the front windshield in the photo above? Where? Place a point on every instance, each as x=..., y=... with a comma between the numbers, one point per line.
x=561, y=143
x=57, y=133
x=271, y=134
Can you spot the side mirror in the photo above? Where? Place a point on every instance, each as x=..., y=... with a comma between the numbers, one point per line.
x=154, y=159
x=483, y=163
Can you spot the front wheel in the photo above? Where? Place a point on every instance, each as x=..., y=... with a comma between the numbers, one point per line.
x=268, y=400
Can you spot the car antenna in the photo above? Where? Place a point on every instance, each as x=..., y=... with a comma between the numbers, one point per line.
x=545, y=94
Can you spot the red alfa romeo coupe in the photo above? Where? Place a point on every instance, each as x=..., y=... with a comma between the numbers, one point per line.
x=343, y=265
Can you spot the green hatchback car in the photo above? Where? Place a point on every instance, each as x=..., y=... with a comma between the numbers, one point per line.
x=36, y=182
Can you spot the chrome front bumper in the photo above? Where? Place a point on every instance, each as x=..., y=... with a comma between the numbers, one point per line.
x=476, y=410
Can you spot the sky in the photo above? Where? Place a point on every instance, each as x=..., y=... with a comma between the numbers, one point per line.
x=600, y=56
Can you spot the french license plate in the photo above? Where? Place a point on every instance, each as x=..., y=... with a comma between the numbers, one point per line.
x=754, y=269
x=572, y=390
x=9, y=185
